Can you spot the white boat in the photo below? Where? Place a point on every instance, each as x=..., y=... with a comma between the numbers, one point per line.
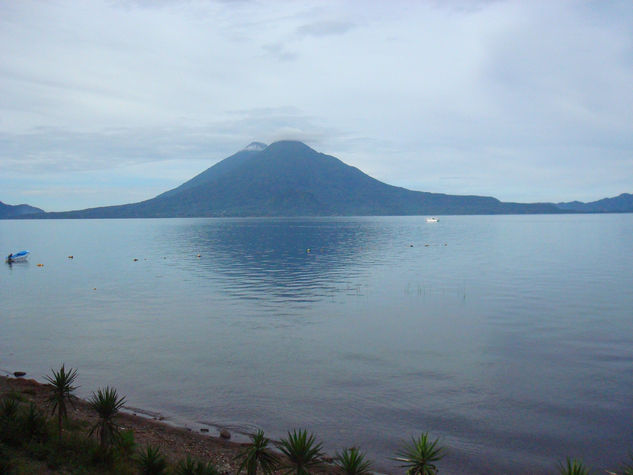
x=17, y=257
x=432, y=220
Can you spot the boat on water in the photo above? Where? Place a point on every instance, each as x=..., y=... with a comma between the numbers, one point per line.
x=17, y=257
x=432, y=220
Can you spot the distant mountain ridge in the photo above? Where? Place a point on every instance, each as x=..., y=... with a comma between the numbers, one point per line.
x=288, y=178
x=619, y=204
x=13, y=211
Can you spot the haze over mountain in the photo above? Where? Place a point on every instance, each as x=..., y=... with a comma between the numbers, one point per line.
x=13, y=211
x=288, y=178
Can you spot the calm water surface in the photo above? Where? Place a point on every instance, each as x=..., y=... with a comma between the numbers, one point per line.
x=509, y=337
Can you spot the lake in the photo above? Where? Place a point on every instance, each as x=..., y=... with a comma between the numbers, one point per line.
x=508, y=337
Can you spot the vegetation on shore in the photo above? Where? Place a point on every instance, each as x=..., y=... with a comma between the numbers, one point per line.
x=31, y=442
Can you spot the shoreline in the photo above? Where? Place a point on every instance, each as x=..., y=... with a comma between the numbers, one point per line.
x=176, y=441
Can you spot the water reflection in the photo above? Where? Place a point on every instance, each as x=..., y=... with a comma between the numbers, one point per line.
x=294, y=261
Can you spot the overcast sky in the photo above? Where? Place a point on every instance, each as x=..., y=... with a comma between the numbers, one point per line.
x=108, y=102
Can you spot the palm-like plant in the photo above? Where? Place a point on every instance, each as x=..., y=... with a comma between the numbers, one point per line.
x=573, y=467
x=352, y=462
x=34, y=423
x=419, y=456
x=62, y=382
x=106, y=402
x=256, y=454
x=151, y=461
x=8, y=408
x=190, y=466
x=303, y=452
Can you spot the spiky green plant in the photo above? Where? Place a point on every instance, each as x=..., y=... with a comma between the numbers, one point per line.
x=627, y=469
x=62, y=382
x=107, y=403
x=190, y=466
x=33, y=424
x=573, y=467
x=257, y=454
x=353, y=462
x=9, y=430
x=126, y=444
x=9, y=408
x=302, y=450
x=151, y=461
x=420, y=455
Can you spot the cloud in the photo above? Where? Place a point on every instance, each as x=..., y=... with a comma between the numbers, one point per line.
x=510, y=96
x=325, y=28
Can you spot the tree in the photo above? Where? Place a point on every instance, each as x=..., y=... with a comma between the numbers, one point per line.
x=256, y=454
x=419, y=456
x=106, y=402
x=62, y=382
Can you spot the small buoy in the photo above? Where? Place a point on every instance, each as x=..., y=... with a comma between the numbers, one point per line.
x=135, y=259
x=198, y=255
x=71, y=257
x=40, y=265
x=410, y=245
x=308, y=250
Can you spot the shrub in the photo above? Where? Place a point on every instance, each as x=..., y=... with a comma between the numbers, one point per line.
x=573, y=467
x=352, y=462
x=420, y=455
x=256, y=454
x=190, y=466
x=107, y=403
x=302, y=450
x=151, y=461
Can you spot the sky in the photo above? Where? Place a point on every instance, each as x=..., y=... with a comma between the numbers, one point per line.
x=110, y=102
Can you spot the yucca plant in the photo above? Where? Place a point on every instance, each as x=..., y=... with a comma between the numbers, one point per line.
x=190, y=466
x=257, y=454
x=303, y=452
x=627, y=469
x=33, y=424
x=352, y=462
x=107, y=403
x=9, y=408
x=420, y=455
x=9, y=431
x=573, y=467
x=126, y=444
x=62, y=382
x=151, y=462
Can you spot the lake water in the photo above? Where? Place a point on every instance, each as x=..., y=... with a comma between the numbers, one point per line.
x=508, y=337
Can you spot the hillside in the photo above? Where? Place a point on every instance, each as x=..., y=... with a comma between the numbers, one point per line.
x=289, y=178
x=619, y=204
x=14, y=211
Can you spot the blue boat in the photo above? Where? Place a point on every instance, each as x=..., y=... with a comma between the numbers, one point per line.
x=17, y=257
